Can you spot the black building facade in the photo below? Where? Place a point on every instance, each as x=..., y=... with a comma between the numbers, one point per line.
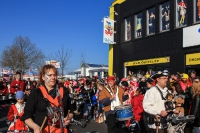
x=147, y=47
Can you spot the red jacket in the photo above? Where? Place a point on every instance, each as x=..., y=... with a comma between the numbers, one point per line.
x=14, y=88
x=137, y=106
x=185, y=85
x=14, y=117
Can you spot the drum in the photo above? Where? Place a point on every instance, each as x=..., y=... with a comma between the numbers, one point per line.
x=124, y=112
x=80, y=97
x=71, y=95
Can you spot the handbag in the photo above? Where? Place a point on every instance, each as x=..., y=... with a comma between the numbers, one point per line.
x=134, y=125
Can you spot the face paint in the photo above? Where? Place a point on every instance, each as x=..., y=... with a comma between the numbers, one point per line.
x=47, y=78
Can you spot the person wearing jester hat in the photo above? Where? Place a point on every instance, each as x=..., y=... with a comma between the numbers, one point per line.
x=14, y=114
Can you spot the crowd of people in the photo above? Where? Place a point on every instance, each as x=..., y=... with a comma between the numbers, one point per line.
x=153, y=98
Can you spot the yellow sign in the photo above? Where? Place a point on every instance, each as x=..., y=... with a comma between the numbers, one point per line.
x=193, y=59
x=148, y=61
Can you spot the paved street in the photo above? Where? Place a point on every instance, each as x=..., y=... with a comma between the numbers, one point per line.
x=92, y=126
x=3, y=123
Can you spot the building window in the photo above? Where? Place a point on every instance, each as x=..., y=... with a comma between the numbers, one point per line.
x=181, y=13
x=128, y=29
x=138, y=25
x=151, y=21
x=197, y=10
x=165, y=16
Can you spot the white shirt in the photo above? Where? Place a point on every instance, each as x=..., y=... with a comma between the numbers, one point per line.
x=115, y=102
x=153, y=103
x=20, y=108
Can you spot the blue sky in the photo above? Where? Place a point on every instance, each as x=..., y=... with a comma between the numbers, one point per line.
x=49, y=24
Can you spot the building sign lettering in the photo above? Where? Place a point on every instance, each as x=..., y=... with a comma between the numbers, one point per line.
x=148, y=61
x=193, y=59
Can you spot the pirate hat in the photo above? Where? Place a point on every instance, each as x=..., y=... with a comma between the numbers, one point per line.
x=160, y=74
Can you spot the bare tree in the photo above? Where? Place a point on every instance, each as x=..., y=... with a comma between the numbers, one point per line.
x=82, y=58
x=21, y=55
x=63, y=56
x=39, y=64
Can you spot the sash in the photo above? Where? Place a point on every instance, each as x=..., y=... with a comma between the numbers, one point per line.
x=115, y=102
x=53, y=101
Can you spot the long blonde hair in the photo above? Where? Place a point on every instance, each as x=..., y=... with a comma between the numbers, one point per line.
x=196, y=88
x=99, y=85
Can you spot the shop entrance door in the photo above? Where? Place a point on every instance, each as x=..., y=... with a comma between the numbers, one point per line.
x=196, y=68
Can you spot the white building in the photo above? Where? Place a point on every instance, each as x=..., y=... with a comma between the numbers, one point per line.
x=92, y=70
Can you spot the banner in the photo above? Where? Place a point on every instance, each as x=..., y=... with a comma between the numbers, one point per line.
x=57, y=65
x=191, y=36
x=148, y=61
x=54, y=63
x=108, y=31
x=193, y=59
x=48, y=62
x=6, y=71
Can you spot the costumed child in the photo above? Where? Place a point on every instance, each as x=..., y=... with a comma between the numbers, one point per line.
x=15, y=112
x=138, y=110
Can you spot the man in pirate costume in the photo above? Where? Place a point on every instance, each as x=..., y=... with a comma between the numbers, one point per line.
x=154, y=103
x=111, y=96
x=14, y=114
x=48, y=108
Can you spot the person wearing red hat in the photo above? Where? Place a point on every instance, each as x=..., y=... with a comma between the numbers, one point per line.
x=66, y=83
x=111, y=96
x=70, y=86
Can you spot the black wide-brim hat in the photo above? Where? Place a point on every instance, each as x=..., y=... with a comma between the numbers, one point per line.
x=160, y=74
x=149, y=80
